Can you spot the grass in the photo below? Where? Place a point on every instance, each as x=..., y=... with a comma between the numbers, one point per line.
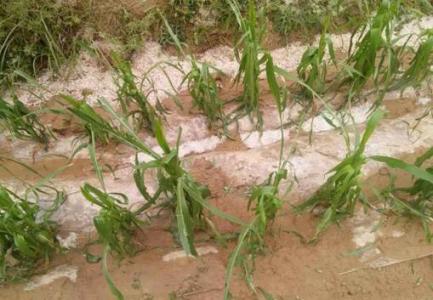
x=342, y=190
x=22, y=123
x=36, y=35
x=27, y=236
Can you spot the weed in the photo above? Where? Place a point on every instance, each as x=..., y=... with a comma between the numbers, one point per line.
x=182, y=15
x=27, y=236
x=21, y=122
x=342, y=190
x=289, y=18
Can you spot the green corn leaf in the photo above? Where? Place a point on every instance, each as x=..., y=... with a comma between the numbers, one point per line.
x=399, y=164
x=372, y=123
x=184, y=221
x=23, y=246
x=234, y=259
x=114, y=290
x=427, y=155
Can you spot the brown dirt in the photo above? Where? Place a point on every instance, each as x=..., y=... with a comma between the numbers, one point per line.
x=289, y=269
x=400, y=107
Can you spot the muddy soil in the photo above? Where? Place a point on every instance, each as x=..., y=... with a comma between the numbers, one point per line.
x=290, y=269
x=336, y=267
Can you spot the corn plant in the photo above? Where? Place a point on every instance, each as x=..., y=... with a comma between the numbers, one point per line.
x=26, y=234
x=201, y=85
x=204, y=92
x=115, y=223
x=186, y=198
x=264, y=202
x=129, y=93
x=88, y=116
x=313, y=68
x=342, y=190
x=250, y=55
x=375, y=56
x=414, y=201
x=21, y=122
x=420, y=66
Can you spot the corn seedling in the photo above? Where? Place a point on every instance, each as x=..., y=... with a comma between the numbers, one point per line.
x=313, y=68
x=251, y=57
x=342, y=190
x=201, y=85
x=414, y=201
x=204, y=92
x=129, y=93
x=21, y=122
x=420, y=66
x=115, y=225
x=264, y=201
x=185, y=196
x=375, y=58
x=27, y=236
x=89, y=117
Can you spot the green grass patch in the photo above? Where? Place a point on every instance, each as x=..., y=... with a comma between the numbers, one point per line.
x=21, y=122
